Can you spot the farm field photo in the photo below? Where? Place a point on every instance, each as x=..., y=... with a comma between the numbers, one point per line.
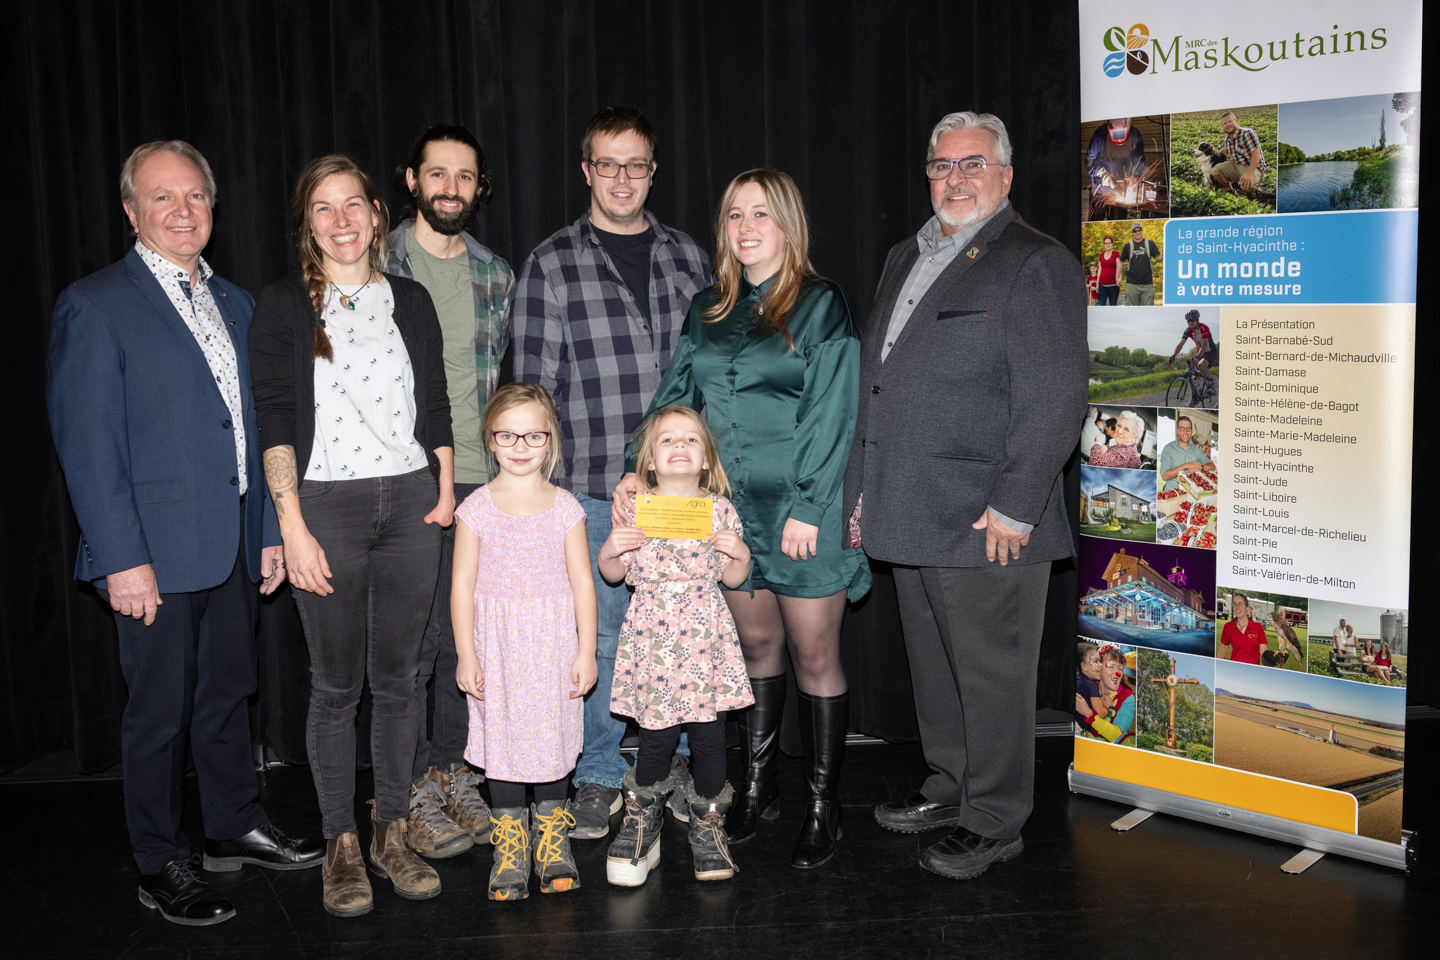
x=1346, y=737
x=1176, y=711
x=1285, y=619
x=1129, y=350
x=1363, y=644
x=1208, y=145
x=1353, y=153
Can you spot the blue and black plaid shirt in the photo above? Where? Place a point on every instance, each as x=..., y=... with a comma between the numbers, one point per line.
x=579, y=333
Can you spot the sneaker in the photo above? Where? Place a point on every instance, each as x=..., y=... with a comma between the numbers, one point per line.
x=463, y=802
x=550, y=840
x=636, y=850
x=592, y=808
x=510, y=838
x=430, y=832
x=681, y=782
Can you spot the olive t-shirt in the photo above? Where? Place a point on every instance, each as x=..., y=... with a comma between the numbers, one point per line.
x=448, y=283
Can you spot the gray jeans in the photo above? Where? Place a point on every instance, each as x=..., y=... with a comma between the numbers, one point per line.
x=383, y=559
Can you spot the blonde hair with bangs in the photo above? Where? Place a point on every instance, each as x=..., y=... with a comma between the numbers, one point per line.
x=785, y=206
x=712, y=478
x=514, y=395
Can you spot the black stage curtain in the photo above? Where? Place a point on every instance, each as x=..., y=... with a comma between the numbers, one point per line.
x=839, y=93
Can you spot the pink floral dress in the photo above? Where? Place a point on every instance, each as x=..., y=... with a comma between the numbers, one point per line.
x=527, y=728
x=679, y=654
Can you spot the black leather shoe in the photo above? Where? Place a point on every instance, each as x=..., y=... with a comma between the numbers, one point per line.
x=964, y=855
x=182, y=897
x=916, y=815
x=265, y=846
x=823, y=721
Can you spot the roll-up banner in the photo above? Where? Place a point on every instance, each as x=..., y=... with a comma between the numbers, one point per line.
x=1248, y=179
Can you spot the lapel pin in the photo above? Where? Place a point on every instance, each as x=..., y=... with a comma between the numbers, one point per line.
x=972, y=252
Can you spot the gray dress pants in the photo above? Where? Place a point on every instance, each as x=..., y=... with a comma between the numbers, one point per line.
x=973, y=638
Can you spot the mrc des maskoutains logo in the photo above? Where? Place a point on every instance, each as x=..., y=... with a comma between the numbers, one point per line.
x=1135, y=51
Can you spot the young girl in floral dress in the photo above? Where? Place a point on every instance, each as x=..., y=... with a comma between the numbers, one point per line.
x=678, y=663
x=523, y=607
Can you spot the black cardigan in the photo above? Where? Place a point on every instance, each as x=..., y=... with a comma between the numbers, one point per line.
x=282, y=367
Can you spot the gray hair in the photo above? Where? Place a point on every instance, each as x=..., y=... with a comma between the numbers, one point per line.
x=147, y=150
x=966, y=120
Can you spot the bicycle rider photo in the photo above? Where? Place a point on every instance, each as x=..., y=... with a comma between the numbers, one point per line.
x=1201, y=387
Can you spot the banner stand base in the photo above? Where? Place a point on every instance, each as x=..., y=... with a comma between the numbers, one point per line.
x=1315, y=840
x=1132, y=820
x=1302, y=861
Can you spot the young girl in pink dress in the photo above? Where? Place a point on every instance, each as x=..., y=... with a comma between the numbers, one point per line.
x=678, y=663
x=523, y=607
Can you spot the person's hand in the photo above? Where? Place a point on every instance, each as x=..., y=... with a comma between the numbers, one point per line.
x=797, y=540
x=272, y=569
x=730, y=544
x=583, y=673
x=621, y=541
x=133, y=593
x=469, y=677
x=444, y=512
x=1082, y=707
x=622, y=503
x=1001, y=539
x=306, y=564
x=1246, y=182
x=1192, y=465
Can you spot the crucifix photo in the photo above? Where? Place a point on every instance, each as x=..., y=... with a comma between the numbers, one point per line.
x=1171, y=682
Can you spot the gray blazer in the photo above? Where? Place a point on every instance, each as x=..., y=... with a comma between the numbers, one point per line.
x=978, y=404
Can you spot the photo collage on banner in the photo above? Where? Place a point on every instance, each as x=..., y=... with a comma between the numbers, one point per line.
x=1250, y=259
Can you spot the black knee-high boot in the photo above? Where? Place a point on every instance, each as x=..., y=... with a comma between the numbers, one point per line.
x=823, y=721
x=759, y=793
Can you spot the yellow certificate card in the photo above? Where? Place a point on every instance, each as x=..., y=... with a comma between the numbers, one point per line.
x=678, y=518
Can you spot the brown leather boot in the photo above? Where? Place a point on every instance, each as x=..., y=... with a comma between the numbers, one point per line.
x=463, y=802
x=391, y=857
x=347, y=889
x=430, y=832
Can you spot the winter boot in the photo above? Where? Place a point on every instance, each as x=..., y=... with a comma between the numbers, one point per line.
x=550, y=824
x=708, y=843
x=759, y=793
x=823, y=721
x=680, y=781
x=392, y=858
x=510, y=836
x=636, y=849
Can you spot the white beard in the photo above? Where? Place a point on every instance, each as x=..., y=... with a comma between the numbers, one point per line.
x=957, y=223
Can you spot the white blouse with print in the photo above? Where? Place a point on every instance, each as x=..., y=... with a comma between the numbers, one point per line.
x=365, y=398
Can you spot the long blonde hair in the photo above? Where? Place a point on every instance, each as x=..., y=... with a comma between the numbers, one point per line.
x=312, y=261
x=712, y=478
x=517, y=394
x=787, y=209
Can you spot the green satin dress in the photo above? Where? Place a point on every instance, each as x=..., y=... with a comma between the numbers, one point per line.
x=783, y=420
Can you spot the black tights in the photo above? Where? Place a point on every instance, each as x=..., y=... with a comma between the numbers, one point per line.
x=707, y=755
x=812, y=626
x=510, y=794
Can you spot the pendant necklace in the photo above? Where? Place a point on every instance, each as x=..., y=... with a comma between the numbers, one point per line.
x=348, y=301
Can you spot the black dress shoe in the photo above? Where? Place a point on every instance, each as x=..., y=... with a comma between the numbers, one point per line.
x=265, y=846
x=916, y=815
x=964, y=855
x=182, y=897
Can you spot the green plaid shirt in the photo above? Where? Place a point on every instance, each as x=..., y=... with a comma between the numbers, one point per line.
x=492, y=280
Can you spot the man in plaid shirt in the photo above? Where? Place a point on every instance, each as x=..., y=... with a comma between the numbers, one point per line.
x=445, y=178
x=597, y=310
x=1245, y=161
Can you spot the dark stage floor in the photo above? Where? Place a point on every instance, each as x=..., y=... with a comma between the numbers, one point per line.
x=1170, y=888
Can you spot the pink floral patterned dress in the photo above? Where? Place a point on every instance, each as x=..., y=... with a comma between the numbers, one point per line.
x=527, y=728
x=679, y=655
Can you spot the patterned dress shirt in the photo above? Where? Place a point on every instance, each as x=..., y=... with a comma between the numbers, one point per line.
x=581, y=335
x=201, y=314
x=1239, y=145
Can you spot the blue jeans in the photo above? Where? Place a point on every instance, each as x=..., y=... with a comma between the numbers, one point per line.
x=601, y=762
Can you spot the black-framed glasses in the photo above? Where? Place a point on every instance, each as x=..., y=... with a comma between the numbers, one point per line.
x=971, y=168
x=638, y=170
x=535, y=438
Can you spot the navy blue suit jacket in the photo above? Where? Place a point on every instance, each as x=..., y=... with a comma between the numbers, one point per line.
x=145, y=437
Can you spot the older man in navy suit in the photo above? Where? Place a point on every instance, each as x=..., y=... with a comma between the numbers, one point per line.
x=150, y=406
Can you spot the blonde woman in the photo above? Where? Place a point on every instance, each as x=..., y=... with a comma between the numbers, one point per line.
x=772, y=356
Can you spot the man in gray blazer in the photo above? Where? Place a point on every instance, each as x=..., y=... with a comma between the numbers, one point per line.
x=972, y=386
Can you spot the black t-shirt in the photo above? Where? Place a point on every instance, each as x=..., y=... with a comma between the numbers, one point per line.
x=1139, y=254
x=631, y=253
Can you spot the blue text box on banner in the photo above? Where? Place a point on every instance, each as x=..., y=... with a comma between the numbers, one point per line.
x=1364, y=256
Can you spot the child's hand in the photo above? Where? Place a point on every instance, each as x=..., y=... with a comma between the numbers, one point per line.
x=621, y=540
x=583, y=673
x=729, y=543
x=470, y=678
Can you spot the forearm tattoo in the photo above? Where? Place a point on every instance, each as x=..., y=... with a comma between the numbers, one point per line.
x=280, y=475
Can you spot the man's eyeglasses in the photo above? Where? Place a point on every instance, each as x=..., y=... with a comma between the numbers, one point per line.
x=971, y=168
x=638, y=170
x=535, y=438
